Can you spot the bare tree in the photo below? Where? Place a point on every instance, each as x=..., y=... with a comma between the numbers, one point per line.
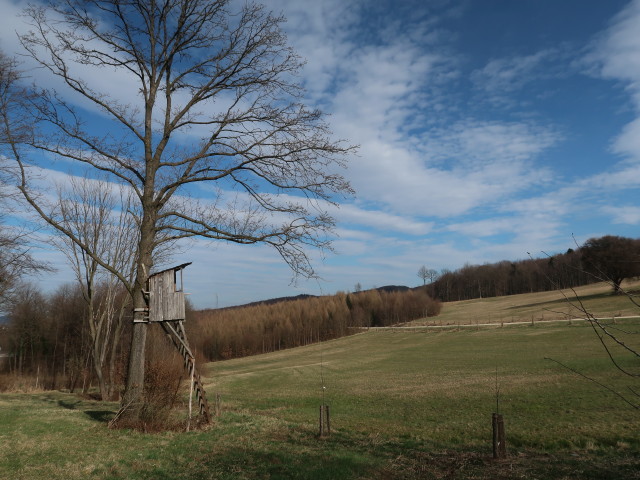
x=15, y=240
x=100, y=217
x=216, y=102
x=15, y=259
x=423, y=274
x=427, y=273
x=619, y=343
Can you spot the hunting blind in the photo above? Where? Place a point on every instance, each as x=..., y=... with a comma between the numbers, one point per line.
x=166, y=295
x=166, y=306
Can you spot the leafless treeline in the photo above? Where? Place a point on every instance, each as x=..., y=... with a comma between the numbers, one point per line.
x=48, y=343
x=509, y=278
x=229, y=333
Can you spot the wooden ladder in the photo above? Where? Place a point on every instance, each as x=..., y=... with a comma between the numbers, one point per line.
x=175, y=331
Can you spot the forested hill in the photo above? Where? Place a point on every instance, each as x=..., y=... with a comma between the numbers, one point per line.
x=609, y=258
x=510, y=278
x=303, y=296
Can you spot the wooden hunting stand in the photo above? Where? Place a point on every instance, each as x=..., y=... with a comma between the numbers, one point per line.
x=166, y=306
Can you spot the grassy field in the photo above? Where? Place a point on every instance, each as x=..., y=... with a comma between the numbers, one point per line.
x=556, y=304
x=403, y=405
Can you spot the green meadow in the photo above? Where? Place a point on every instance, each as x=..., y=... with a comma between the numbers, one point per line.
x=404, y=404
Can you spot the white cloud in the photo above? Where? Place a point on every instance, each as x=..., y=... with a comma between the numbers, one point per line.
x=628, y=142
x=383, y=94
x=617, y=50
x=615, y=55
x=469, y=165
x=350, y=214
x=10, y=26
x=509, y=74
x=623, y=214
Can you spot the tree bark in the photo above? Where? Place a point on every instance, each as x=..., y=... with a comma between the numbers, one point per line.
x=132, y=399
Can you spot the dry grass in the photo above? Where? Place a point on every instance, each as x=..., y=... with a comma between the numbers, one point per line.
x=404, y=405
x=553, y=305
x=10, y=383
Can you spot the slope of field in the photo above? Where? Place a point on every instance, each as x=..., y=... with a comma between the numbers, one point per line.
x=556, y=304
x=404, y=405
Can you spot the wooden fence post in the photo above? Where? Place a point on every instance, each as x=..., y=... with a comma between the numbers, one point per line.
x=325, y=421
x=499, y=442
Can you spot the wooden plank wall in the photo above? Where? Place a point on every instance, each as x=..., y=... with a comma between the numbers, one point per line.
x=165, y=304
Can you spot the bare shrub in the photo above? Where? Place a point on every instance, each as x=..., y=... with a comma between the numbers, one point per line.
x=164, y=388
x=15, y=383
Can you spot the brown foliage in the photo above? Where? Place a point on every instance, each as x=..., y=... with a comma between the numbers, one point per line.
x=161, y=389
x=164, y=388
x=47, y=338
x=242, y=331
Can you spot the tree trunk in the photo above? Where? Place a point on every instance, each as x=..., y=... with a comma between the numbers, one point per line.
x=113, y=355
x=133, y=398
x=96, y=351
x=133, y=395
x=102, y=387
x=616, y=285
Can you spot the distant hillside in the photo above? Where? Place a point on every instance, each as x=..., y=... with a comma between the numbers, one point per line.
x=295, y=321
x=273, y=301
x=540, y=306
x=302, y=296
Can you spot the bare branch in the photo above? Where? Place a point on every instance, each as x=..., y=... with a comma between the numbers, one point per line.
x=205, y=95
x=606, y=387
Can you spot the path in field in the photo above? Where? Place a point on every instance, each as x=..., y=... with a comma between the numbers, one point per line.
x=493, y=324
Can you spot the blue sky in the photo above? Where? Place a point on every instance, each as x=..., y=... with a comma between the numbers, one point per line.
x=487, y=129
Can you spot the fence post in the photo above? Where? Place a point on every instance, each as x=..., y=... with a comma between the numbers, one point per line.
x=325, y=421
x=499, y=443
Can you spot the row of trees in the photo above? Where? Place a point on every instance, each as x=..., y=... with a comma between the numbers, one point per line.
x=50, y=339
x=235, y=332
x=509, y=278
x=609, y=258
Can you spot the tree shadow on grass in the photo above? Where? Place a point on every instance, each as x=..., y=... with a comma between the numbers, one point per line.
x=582, y=298
x=68, y=405
x=102, y=416
x=264, y=463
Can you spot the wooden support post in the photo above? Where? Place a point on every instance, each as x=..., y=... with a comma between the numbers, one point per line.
x=499, y=440
x=191, y=388
x=325, y=421
x=179, y=338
